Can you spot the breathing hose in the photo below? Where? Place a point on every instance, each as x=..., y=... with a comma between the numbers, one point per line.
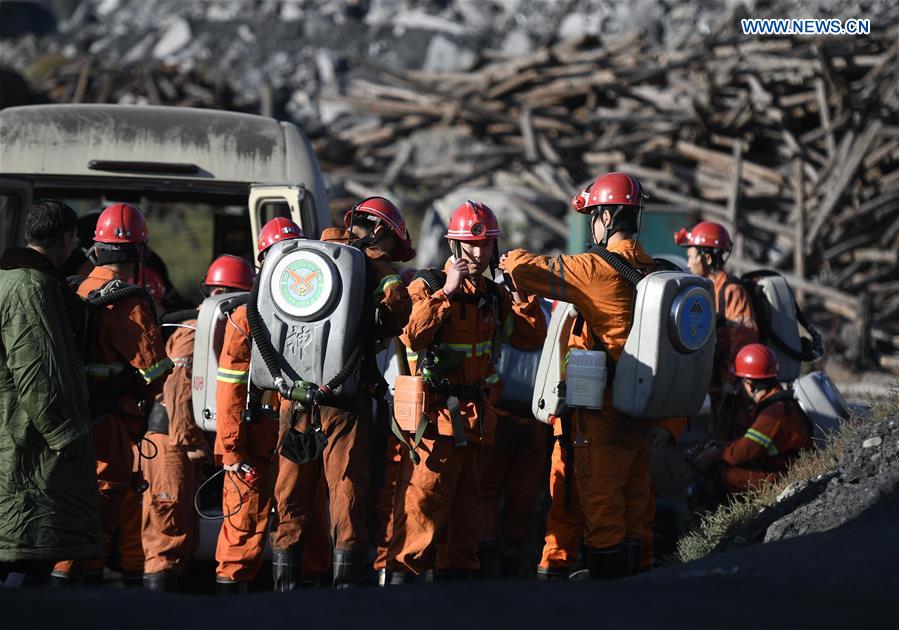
x=297, y=392
x=174, y=317
x=618, y=264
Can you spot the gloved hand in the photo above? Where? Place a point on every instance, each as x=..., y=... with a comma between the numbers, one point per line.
x=707, y=458
x=457, y=272
x=661, y=438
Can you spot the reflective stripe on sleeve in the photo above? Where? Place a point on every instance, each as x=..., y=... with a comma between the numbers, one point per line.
x=760, y=438
x=156, y=370
x=386, y=283
x=239, y=377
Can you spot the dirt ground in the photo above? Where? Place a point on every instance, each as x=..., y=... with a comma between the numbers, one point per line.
x=846, y=577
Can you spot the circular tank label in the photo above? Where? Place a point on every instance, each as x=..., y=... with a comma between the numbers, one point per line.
x=301, y=283
x=695, y=320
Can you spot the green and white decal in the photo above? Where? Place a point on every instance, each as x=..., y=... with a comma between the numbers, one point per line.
x=302, y=283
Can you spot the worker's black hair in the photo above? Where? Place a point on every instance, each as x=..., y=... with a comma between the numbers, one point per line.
x=48, y=221
x=718, y=256
x=624, y=218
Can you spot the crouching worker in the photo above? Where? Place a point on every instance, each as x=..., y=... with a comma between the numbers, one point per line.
x=170, y=524
x=457, y=324
x=611, y=451
x=779, y=429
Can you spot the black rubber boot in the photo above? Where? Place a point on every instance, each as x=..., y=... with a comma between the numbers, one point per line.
x=133, y=580
x=348, y=568
x=491, y=561
x=93, y=578
x=634, y=548
x=607, y=563
x=286, y=567
x=229, y=587
x=545, y=574
x=64, y=580
x=447, y=575
x=162, y=582
x=398, y=578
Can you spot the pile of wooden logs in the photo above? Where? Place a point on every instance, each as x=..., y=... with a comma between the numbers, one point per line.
x=792, y=143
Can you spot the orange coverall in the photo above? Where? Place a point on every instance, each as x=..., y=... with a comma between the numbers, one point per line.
x=347, y=424
x=736, y=328
x=170, y=524
x=513, y=474
x=765, y=451
x=611, y=450
x=241, y=541
x=129, y=342
x=443, y=491
x=128, y=537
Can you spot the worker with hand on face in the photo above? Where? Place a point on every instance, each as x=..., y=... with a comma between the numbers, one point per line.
x=459, y=320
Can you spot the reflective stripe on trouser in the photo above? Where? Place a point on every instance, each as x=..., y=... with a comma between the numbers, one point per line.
x=612, y=464
x=301, y=502
x=115, y=459
x=564, y=527
x=347, y=471
x=170, y=524
x=442, y=491
x=241, y=540
x=514, y=467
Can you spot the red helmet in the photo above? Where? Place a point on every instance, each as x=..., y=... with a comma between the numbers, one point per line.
x=705, y=234
x=153, y=283
x=232, y=272
x=121, y=224
x=278, y=229
x=755, y=361
x=611, y=189
x=473, y=221
x=385, y=210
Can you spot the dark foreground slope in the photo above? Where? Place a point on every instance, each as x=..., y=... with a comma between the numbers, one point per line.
x=846, y=577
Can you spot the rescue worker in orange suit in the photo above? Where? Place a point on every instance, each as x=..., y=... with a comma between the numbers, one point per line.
x=779, y=430
x=611, y=451
x=126, y=366
x=377, y=227
x=514, y=472
x=170, y=524
x=394, y=454
x=458, y=326
x=708, y=246
x=252, y=442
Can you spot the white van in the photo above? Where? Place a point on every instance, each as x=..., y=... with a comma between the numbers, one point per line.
x=238, y=170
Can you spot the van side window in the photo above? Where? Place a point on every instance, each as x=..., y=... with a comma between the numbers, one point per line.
x=10, y=212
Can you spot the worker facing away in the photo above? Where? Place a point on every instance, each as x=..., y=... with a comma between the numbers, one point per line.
x=611, y=451
x=708, y=246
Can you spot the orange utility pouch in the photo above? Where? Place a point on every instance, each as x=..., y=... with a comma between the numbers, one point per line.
x=412, y=399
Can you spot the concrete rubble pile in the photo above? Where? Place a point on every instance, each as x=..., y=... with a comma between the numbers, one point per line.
x=793, y=142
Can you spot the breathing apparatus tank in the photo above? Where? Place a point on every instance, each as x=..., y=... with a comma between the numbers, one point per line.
x=310, y=304
x=212, y=321
x=549, y=389
x=665, y=368
x=779, y=318
x=822, y=404
x=517, y=371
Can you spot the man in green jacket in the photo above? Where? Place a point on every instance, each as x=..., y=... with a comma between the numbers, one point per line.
x=48, y=486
